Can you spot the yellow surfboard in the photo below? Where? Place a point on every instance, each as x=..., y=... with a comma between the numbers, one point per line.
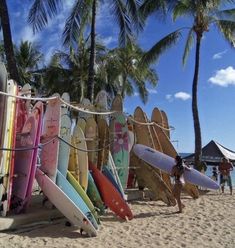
x=72, y=180
x=5, y=166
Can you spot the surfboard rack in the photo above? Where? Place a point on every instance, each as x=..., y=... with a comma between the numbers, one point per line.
x=136, y=194
x=37, y=215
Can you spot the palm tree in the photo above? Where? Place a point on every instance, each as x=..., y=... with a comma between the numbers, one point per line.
x=8, y=46
x=205, y=14
x=84, y=12
x=68, y=71
x=124, y=71
x=28, y=59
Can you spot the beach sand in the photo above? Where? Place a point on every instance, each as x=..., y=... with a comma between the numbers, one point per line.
x=206, y=222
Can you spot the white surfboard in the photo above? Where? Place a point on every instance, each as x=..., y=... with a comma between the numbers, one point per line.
x=64, y=204
x=164, y=162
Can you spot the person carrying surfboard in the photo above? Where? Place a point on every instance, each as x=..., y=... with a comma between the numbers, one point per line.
x=224, y=168
x=177, y=172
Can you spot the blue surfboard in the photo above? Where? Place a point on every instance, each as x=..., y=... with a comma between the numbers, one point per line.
x=68, y=189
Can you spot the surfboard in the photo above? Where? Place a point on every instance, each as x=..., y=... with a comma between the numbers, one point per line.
x=8, y=141
x=38, y=113
x=81, y=123
x=72, y=180
x=82, y=170
x=104, y=144
x=69, y=190
x=24, y=161
x=101, y=104
x=91, y=134
x=6, y=205
x=152, y=180
x=131, y=135
x=111, y=197
x=22, y=112
x=169, y=150
x=73, y=158
x=101, y=100
x=117, y=104
x=94, y=194
x=131, y=176
x=86, y=104
x=27, y=91
x=111, y=166
x=108, y=173
x=3, y=88
x=120, y=147
x=142, y=138
x=165, y=124
x=165, y=162
x=65, y=134
x=64, y=204
x=157, y=142
x=51, y=129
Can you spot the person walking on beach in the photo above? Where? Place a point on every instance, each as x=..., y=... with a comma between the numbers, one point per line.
x=177, y=172
x=214, y=174
x=225, y=167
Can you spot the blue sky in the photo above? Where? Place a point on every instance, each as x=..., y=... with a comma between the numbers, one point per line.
x=216, y=92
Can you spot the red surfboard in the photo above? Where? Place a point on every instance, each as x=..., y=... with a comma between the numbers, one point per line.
x=110, y=195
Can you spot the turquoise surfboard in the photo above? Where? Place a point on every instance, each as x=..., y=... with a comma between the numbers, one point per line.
x=68, y=189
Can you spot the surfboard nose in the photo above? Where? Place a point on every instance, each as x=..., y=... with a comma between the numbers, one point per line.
x=139, y=150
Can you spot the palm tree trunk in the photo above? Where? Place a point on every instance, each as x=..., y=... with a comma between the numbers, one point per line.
x=197, y=129
x=8, y=46
x=91, y=75
x=124, y=78
x=82, y=90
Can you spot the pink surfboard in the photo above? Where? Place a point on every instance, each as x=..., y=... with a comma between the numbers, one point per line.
x=23, y=161
x=38, y=111
x=21, y=114
x=51, y=129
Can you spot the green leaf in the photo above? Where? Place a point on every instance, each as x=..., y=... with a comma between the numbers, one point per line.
x=41, y=11
x=188, y=45
x=161, y=46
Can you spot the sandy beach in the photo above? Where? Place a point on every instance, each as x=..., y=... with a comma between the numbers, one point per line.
x=206, y=222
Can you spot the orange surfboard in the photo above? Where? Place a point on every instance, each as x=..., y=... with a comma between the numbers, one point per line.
x=110, y=195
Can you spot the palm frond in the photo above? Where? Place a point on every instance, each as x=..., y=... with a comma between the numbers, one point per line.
x=228, y=14
x=153, y=54
x=122, y=18
x=41, y=11
x=76, y=22
x=152, y=6
x=142, y=90
x=129, y=90
x=133, y=10
x=227, y=28
x=182, y=8
x=188, y=45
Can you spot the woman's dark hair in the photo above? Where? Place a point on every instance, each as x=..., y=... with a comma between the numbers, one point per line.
x=179, y=163
x=178, y=159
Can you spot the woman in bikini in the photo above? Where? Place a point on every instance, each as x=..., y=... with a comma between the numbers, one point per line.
x=177, y=172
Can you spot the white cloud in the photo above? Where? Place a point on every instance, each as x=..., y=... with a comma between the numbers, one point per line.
x=219, y=55
x=182, y=95
x=152, y=91
x=27, y=34
x=107, y=40
x=169, y=98
x=224, y=77
x=136, y=94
